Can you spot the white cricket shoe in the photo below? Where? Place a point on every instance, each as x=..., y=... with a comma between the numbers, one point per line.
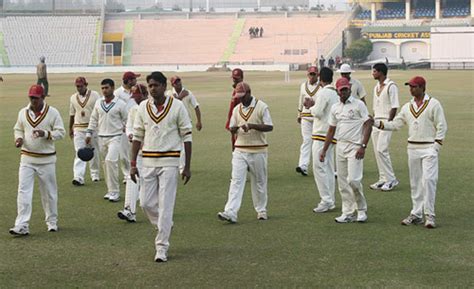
x=127, y=215
x=225, y=217
x=361, y=216
x=107, y=196
x=412, y=220
x=262, y=216
x=430, y=221
x=19, y=231
x=323, y=207
x=388, y=186
x=345, y=219
x=52, y=227
x=161, y=255
x=377, y=185
x=114, y=197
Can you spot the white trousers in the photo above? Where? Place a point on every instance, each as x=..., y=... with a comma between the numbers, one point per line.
x=256, y=163
x=349, y=178
x=79, y=165
x=109, y=151
x=324, y=173
x=423, y=167
x=132, y=189
x=157, y=198
x=305, y=149
x=381, y=141
x=125, y=148
x=46, y=174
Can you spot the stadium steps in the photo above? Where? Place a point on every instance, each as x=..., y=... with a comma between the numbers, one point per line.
x=97, y=34
x=239, y=26
x=3, y=52
x=127, y=43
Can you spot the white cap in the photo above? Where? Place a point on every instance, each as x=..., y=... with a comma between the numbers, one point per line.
x=345, y=68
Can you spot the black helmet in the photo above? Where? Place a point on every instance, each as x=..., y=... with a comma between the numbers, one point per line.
x=85, y=153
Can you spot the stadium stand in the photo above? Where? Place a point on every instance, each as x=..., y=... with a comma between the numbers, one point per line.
x=199, y=41
x=456, y=8
x=424, y=9
x=391, y=10
x=285, y=39
x=27, y=38
x=364, y=14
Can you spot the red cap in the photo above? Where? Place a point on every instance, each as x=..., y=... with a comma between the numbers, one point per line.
x=313, y=69
x=416, y=81
x=36, y=90
x=81, y=81
x=130, y=75
x=174, y=79
x=139, y=90
x=342, y=83
x=237, y=73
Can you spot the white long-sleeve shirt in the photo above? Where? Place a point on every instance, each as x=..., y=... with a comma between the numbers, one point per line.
x=162, y=133
x=108, y=119
x=426, y=124
x=307, y=90
x=325, y=99
x=39, y=150
x=81, y=107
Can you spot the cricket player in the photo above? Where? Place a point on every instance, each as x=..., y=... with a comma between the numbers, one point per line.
x=108, y=119
x=139, y=94
x=161, y=126
x=323, y=172
x=37, y=128
x=308, y=89
x=124, y=93
x=237, y=77
x=385, y=106
x=427, y=129
x=42, y=75
x=351, y=118
x=249, y=123
x=191, y=104
x=81, y=105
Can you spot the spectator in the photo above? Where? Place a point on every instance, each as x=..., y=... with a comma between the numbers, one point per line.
x=338, y=61
x=331, y=62
x=322, y=62
x=256, y=31
x=261, y=31
x=42, y=75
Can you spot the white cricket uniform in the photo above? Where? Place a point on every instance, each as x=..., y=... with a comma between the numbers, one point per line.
x=357, y=89
x=323, y=171
x=162, y=134
x=427, y=129
x=190, y=103
x=38, y=158
x=125, y=146
x=349, y=118
x=108, y=121
x=307, y=90
x=385, y=98
x=250, y=155
x=81, y=107
x=132, y=188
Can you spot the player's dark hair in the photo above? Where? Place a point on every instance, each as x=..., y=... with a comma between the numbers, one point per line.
x=108, y=81
x=326, y=74
x=157, y=76
x=381, y=67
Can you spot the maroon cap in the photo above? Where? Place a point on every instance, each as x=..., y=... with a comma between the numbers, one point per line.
x=130, y=75
x=139, y=90
x=313, y=69
x=416, y=81
x=237, y=73
x=174, y=79
x=342, y=83
x=36, y=90
x=81, y=81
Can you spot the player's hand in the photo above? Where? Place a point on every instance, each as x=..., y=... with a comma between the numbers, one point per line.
x=88, y=140
x=360, y=153
x=38, y=133
x=130, y=137
x=308, y=102
x=198, y=125
x=134, y=174
x=322, y=156
x=186, y=175
x=245, y=127
x=298, y=119
x=18, y=142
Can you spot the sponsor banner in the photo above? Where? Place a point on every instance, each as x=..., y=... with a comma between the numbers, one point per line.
x=396, y=35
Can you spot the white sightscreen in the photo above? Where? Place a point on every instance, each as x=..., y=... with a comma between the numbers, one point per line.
x=452, y=43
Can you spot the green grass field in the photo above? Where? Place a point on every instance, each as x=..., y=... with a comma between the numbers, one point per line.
x=295, y=248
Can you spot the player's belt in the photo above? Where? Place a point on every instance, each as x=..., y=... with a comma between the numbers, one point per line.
x=322, y=138
x=36, y=155
x=81, y=125
x=168, y=154
x=251, y=146
x=306, y=114
x=420, y=142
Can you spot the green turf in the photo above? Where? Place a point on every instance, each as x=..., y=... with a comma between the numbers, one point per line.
x=234, y=38
x=295, y=248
